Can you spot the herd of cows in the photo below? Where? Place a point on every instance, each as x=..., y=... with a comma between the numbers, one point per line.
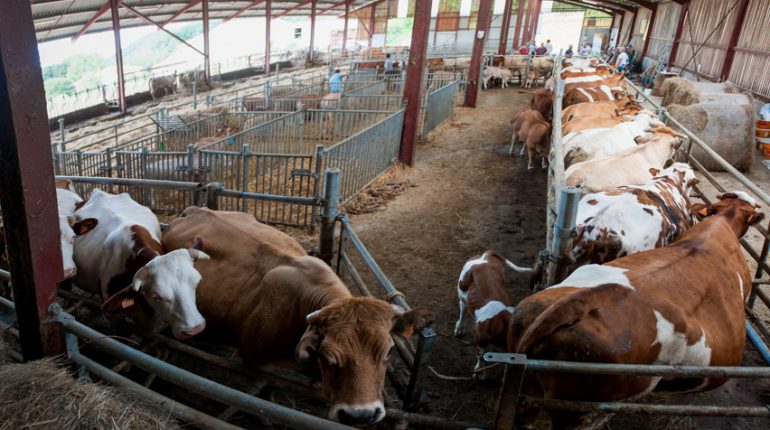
x=649, y=285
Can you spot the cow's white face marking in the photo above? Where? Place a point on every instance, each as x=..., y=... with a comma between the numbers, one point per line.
x=742, y=195
x=490, y=310
x=593, y=275
x=673, y=346
x=469, y=265
x=168, y=283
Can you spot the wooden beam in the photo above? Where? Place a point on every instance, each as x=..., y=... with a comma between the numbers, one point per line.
x=311, y=51
x=480, y=37
x=184, y=9
x=345, y=30
x=737, y=27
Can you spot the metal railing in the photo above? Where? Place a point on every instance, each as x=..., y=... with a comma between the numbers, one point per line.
x=439, y=106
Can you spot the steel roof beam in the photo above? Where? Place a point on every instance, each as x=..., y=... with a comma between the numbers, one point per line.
x=292, y=9
x=102, y=10
x=605, y=9
x=184, y=9
x=322, y=11
x=644, y=3
x=243, y=10
x=609, y=3
x=151, y=22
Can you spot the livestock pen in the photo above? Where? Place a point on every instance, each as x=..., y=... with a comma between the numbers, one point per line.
x=556, y=257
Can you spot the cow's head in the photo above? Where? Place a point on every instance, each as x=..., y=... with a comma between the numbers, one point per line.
x=167, y=283
x=740, y=207
x=682, y=174
x=350, y=341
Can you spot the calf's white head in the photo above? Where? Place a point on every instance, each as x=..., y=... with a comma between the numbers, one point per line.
x=349, y=341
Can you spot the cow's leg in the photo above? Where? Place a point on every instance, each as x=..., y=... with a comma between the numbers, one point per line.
x=513, y=144
x=478, y=374
x=543, y=161
x=523, y=148
x=461, y=317
x=530, y=158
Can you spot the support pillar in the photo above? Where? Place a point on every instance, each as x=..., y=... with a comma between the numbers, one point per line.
x=27, y=195
x=633, y=27
x=517, y=30
x=371, y=25
x=648, y=36
x=480, y=36
x=737, y=27
x=311, y=51
x=506, y=25
x=620, y=29
x=115, y=9
x=536, y=17
x=206, y=49
x=678, y=34
x=413, y=84
x=268, y=19
x=345, y=32
x=527, y=15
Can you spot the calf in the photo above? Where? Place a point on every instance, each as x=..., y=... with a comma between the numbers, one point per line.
x=481, y=293
x=165, y=84
x=542, y=101
x=522, y=117
x=535, y=135
x=532, y=77
x=279, y=306
x=678, y=305
x=503, y=74
x=630, y=219
x=121, y=259
x=634, y=166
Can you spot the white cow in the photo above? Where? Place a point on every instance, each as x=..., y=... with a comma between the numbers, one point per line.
x=603, y=142
x=67, y=200
x=122, y=260
x=501, y=73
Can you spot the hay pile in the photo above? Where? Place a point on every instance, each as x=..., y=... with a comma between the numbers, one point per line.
x=726, y=128
x=42, y=395
x=678, y=91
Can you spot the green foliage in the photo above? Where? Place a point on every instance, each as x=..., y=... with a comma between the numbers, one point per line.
x=399, y=31
x=55, y=71
x=58, y=86
x=156, y=47
x=80, y=65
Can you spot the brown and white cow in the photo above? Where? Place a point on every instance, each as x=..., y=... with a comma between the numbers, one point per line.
x=481, y=294
x=161, y=86
x=634, y=166
x=606, y=109
x=121, y=259
x=630, y=219
x=586, y=81
x=68, y=201
x=261, y=292
x=678, y=305
x=594, y=94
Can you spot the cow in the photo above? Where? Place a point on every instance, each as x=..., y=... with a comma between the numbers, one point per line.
x=589, y=123
x=532, y=77
x=165, y=84
x=542, y=101
x=585, y=71
x=481, y=294
x=608, y=109
x=262, y=293
x=68, y=201
x=678, y=305
x=634, y=166
x=504, y=75
x=535, y=135
x=585, y=81
x=121, y=260
x=182, y=167
x=185, y=81
x=630, y=219
x=543, y=65
x=603, y=142
x=590, y=95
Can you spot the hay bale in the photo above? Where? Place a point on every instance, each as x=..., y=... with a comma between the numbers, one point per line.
x=679, y=91
x=726, y=128
x=42, y=395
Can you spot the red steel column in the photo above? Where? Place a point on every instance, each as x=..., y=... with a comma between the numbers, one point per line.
x=620, y=29
x=413, y=84
x=480, y=36
x=633, y=27
x=311, y=52
x=506, y=25
x=527, y=15
x=536, y=17
x=650, y=28
x=678, y=35
x=27, y=195
x=268, y=19
x=371, y=25
x=206, y=51
x=737, y=27
x=345, y=32
x=517, y=30
x=114, y=6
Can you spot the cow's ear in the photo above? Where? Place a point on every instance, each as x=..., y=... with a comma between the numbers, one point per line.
x=756, y=217
x=123, y=299
x=83, y=226
x=654, y=172
x=405, y=323
x=701, y=211
x=308, y=345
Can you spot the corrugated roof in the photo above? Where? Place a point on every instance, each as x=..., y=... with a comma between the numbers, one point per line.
x=56, y=19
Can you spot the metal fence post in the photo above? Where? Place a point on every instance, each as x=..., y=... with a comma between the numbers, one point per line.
x=245, y=156
x=508, y=401
x=331, y=203
x=563, y=232
x=147, y=192
x=422, y=357
x=212, y=192
x=62, y=135
x=195, y=88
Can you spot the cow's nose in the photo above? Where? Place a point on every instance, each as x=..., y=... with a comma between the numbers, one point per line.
x=195, y=330
x=360, y=416
x=70, y=273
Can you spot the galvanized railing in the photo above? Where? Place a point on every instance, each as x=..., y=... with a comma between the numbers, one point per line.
x=439, y=106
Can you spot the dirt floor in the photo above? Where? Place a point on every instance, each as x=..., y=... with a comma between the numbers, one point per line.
x=466, y=195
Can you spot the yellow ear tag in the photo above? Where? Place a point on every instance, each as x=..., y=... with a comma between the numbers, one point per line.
x=704, y=212
x=409, y=331
x=127, y=303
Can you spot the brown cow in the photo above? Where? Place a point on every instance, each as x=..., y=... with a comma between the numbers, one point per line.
x=593, y=80
x=542, y=101
x=262, y=293
x=535, y=135
x=678, y=305
x=607, y=109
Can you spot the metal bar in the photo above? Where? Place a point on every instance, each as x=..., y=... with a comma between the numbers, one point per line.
x=428, y=421
x=27, y=195
x=329, y=216
x=345, y=31
x=650, y=28
x=736, y=34
x=336, y=5
x=5, y=276
x=414, y=391
x=413, y=85
x=510, y=391
x=102, y=10
x=292, y=9
x=505, y=27
x=160, y=27
x=206, y=47
x=563, y=230
x=184, y=9
x=645, y=409
x=237, y=14
x=479, y=39
x=517, y=29
x=153, y=183
x=755, y=340
x=684, y=8
x=114, y=5
x=558, y=366
x=269, y=197
x=311, y=51
x=177, y=410
x=268, y=19
x=195, y=383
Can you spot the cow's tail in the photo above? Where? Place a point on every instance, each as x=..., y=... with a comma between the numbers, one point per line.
x=567, y=312
x=516, y=268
